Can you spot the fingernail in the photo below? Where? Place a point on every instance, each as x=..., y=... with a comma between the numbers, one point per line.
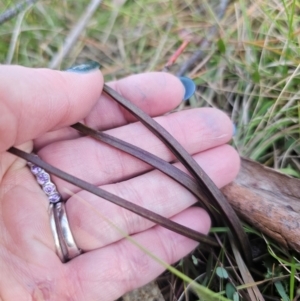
x=189, y=87
x=234, y=129
x=85, y=67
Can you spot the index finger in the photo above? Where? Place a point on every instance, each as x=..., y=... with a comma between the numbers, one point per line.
x=34, y=101
x=156, y=93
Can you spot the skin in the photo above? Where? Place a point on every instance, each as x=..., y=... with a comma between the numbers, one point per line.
x=36, y=106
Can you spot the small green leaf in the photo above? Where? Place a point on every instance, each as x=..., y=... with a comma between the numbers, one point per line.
x=256, y=76
x=230, y=290
x=195, y=260
x=221, y=46
x=222, y=273
x=236, y=296
x=281, y=291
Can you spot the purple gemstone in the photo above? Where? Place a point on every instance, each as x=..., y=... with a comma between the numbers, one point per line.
x=35, y=169
x=49, y=188
x=42, y=177
x=54, y=198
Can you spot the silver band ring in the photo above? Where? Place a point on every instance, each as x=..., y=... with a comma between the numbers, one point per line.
x=68, y=247
x=65, y=244
x=58, y=248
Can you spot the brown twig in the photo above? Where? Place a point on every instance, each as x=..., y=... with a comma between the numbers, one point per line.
x=14, y=11
x=205, y=43
x=74, y=34
x=175, y=56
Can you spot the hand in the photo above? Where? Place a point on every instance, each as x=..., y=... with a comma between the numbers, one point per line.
x=36, y=106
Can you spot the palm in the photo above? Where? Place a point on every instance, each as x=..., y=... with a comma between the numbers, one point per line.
x=27, y=250
x=111, y=264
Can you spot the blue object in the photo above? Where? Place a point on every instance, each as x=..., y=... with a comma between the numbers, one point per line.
x=85, y=67
x=189, y=86
x=234, y=129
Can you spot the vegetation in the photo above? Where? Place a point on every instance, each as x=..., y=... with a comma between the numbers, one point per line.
x=249, y=67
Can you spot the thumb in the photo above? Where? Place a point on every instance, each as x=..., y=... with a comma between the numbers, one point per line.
x=34, y=101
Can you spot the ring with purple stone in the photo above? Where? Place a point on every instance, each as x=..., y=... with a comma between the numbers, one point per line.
x=65, y=245
x=43, y=178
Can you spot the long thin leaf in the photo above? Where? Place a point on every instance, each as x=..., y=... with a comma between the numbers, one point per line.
x=154, y=217
x=210, y=192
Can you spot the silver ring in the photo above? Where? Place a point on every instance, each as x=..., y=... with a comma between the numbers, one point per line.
x=58, y=248
x=68, y=247
x=65, y=244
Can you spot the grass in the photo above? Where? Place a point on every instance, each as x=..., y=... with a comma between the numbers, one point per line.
x=250, y=69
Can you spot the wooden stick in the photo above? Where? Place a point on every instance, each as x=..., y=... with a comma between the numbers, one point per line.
x=74, y=34
x=14, y=11
x=268, y=200
x=205, y=43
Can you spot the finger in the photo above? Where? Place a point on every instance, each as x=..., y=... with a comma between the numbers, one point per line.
x=91, y=218
x=34, y=101
x=25, y=219
x=123, y=266
x=155, y=93
x=30, y=267
x=197, y=130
